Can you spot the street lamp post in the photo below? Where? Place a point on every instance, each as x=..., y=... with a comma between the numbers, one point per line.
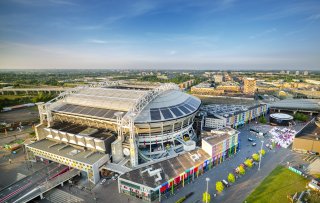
x=207, y=179
x=260, y=155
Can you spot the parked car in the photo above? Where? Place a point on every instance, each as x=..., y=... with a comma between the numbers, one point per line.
x=103, y=181
x=225, y=183
x=250, y=139
x=254, y=144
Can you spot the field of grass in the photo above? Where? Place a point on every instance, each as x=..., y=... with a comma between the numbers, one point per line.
x=11, y=97
x=275, y=187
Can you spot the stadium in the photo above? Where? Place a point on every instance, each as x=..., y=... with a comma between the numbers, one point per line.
x=280, y=119
x=124, y=126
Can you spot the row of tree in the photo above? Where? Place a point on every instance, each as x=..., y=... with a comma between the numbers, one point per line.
x=231, y=177
x=41, y=97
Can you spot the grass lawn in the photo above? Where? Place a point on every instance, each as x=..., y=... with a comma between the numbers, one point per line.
x=275, y=187
x=11, y=97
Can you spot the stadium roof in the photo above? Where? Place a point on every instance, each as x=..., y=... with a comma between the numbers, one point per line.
x=169, y=105
x=297, y=104
x=164, y=102
x=106, y=98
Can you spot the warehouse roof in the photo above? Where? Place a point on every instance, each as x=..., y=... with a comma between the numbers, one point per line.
x=311, y=132
x=169, y=168
x=297, y=104
x=68, y=151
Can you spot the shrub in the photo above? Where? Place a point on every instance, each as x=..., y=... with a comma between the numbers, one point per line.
x=300, y=117
x=248, y=163
x=242, y=171
x=182, y=199
x=263, y=152
x=256, y=157
x=262, y=120
x=231, y=178
x=219, y=186
x=206, y=197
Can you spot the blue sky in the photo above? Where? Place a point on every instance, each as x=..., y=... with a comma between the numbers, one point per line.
x=195, y=34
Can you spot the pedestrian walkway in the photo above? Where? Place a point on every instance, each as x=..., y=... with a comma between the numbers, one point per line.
x=60, y=196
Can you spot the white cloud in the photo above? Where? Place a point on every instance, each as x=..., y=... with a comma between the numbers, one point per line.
x=173, y=52
x=263, y=33
x=97, y=41
x=314, y=17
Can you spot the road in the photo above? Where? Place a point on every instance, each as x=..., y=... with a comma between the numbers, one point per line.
x=23, y=186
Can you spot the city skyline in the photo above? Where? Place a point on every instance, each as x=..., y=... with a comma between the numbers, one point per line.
x=224, y=34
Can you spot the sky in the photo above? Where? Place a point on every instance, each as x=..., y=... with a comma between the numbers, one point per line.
x=177, y=34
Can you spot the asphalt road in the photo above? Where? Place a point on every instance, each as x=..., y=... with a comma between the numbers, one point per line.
x=20, y=188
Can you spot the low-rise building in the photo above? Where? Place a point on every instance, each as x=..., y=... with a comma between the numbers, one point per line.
x=308, y=139
x=212, y=121
x=229, y=87
x=223, y=115
x=218, y=78
x=220, y=144
x=206, y=89
x=153, y=181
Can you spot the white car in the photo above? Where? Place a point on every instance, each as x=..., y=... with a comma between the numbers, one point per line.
x=103, y=181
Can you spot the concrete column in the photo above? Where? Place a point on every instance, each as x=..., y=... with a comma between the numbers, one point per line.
x=61, y=184
x=278, y=110
x=41, y=196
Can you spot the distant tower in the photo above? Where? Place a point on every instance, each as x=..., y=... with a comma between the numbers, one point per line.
x=306, y=73
x=218, y=78
x=288, y=72
x=249, y=86
x=297, y=72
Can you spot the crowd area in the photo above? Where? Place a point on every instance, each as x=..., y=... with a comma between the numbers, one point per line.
x=282, y=137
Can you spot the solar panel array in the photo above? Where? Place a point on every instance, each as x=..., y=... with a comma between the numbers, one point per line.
x=87, y=111
x=171, y=112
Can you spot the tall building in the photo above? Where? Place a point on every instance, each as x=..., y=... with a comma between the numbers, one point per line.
x=297, y=72
x=249, y=86
x=288, y=72
x=218, y=78
x=305, y=73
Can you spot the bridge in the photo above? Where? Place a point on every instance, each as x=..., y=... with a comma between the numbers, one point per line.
x=15, y=91
x=37, y=183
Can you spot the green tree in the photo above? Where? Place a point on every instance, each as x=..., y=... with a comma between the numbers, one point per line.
x=242, y=171
x=255, y=157
x=206, y=197
x=263, y=152
x=300, y=117
x=263, y=120
x=231, y=178
x=248, y=163
x=219, y=186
